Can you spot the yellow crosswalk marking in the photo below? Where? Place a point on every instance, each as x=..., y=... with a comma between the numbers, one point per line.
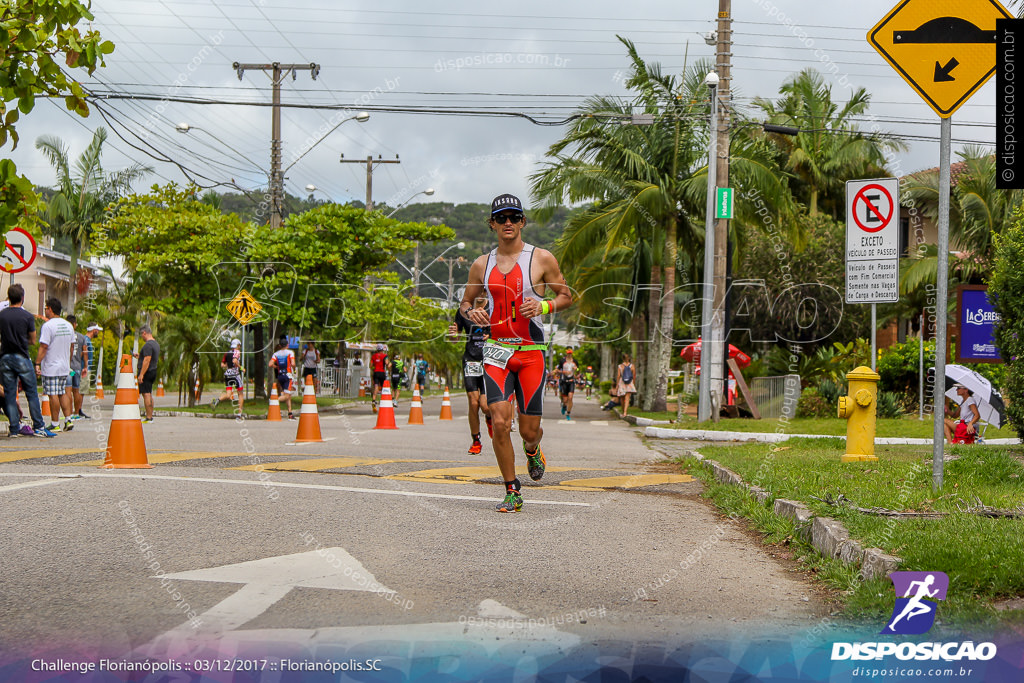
x=164, y=458
x=630, y=482
x=464, y=475
x=317, y=464
x=12, y=456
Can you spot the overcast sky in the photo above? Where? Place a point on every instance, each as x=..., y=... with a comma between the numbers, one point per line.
x=537, y=58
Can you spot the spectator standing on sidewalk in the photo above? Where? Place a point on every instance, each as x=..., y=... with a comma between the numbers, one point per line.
x=53, y=363
x=624, y=379
x=79, y=369
x=17, y=334
x=149, y=356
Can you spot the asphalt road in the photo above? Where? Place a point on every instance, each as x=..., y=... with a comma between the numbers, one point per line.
x=382, y=543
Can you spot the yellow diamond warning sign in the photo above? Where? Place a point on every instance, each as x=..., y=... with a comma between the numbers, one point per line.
x=244, y=307
x=945, y=49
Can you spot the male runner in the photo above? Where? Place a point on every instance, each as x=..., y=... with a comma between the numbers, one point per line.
x=473, y=371
x=588, y=379
x=514, y=277
x=567, y=383
x=231, y=363
x=397, y=368
x=283, y=363
x=379, y=366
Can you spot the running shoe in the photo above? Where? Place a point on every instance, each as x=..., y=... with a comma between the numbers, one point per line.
x=490, y=427
x=68, y=425
x=147, y=420
x=213, y=404
x=43, y=431
x=535, y=463
x=55, y=428
x=513, y=502
x=563, y=409
x=82, y=415
x=568, y=417
x=26, y=430
x=476, y=447
x=291, y=416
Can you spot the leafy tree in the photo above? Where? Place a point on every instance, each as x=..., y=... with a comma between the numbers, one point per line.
x=40, y=35
x=648, y=186
x=829, y=149
x=1006, y=291
x=82, y=194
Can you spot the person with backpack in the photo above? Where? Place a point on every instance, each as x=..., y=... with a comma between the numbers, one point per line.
x=624, y=382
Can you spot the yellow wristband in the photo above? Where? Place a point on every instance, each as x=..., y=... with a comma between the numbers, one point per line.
x=545, y=307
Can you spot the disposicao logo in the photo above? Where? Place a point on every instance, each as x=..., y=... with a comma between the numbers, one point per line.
x=917, y=596
x=916, y=593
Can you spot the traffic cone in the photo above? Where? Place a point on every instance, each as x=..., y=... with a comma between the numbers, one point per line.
x=386, y=413
x=160, y=389
x=99, y=385
x=362, y=387
x=198, y=395
x=309, y=419
x=44, y=406
x=274, y=412
x=446, y=406
x=126, y=447
x=416, y=407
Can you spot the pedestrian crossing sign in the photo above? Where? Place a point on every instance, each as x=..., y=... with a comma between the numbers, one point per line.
x=244, y=307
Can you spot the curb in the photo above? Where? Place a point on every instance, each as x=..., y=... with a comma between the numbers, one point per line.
x=763, y=437
x=828, y=536
x=640, y=421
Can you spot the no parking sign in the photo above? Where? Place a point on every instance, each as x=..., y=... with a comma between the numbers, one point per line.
x=19, y=251
x=872, y=241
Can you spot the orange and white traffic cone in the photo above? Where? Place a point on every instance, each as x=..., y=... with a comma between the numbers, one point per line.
x=416, y=407
x=160, y=389
x=99, y=385
x=309, y=419
x=198, y=395
x=386, y=413
x=126, y=447
x=44, y=406
x=274, y=411
x=362, y=387
x=446, y=406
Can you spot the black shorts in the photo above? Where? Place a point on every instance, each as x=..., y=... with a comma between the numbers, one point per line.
x=285, y=382
x=146, y=385
x=566, y=386
x=309, y=372
x=396, y=381
x=474, y=382
x=378, y=378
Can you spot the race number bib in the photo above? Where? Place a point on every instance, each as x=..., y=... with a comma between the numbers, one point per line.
x=497, y=355
x=474, y=368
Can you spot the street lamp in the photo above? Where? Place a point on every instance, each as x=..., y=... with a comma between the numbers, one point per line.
x=361, y=117
x=311, y=188
x=184, y=127
x=704, y=402
x=416, y=254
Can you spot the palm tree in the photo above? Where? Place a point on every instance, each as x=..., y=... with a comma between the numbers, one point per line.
x=829, y=149
x=83, y=194
x=647, y=185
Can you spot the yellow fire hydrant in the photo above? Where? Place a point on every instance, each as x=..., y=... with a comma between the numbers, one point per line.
x=859, y=408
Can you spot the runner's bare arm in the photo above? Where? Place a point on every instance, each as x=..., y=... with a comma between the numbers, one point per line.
x=475, y=288
x=550, y=276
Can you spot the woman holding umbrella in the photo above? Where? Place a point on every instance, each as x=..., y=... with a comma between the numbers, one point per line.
x=969, y=413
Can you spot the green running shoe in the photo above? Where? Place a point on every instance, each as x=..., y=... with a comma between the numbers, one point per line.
x=535, y=463
x=513, y=502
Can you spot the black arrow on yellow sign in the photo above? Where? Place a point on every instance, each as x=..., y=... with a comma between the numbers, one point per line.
x=943, y=73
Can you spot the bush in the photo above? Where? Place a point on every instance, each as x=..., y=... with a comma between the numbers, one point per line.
x=813, y=404
x=1006, y=291
x=889, y=405
x=830, y=391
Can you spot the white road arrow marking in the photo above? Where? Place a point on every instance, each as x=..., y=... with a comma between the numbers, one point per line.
x=266, y=582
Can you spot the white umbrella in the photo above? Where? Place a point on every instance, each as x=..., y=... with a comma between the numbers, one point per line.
x=990, y=402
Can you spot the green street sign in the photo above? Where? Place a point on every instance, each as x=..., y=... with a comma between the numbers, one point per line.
x=723, y=203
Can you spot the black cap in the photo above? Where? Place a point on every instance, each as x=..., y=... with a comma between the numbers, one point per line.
x=506, y=202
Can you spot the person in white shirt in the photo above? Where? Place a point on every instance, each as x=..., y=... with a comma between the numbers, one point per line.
x=968, y=412
x=53, y=362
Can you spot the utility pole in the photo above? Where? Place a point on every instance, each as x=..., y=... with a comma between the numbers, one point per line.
x=278, y=72
x=718, y=350
x=369, y=173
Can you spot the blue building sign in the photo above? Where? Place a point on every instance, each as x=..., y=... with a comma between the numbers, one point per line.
x=977, y=323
